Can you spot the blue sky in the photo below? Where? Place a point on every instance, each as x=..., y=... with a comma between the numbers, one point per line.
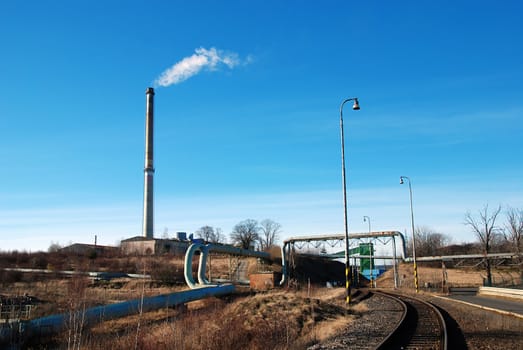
x=439, y=83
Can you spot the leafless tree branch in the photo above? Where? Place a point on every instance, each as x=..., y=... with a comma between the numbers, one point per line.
x=485, y=229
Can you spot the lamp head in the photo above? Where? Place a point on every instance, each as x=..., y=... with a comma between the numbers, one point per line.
x=356, y=105
x=401, y=180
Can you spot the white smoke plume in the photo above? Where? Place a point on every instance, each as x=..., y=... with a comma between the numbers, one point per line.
x=210, y=59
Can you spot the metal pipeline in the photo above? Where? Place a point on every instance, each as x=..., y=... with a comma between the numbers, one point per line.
x=285, y=249
x=56, y=323
x=100, y=275
x=187, y=271
x=204, y=250
x=91, y=316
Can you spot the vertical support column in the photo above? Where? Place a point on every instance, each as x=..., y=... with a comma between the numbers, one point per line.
x=148, y=200
x=371, y=252
x=444, y=280
x=395, y=269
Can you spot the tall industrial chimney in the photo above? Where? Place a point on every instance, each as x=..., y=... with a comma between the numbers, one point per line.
x=148, y=202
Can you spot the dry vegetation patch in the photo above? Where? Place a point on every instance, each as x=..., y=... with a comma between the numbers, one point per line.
x=455, y=277
x=280, y=319
x=273, y=320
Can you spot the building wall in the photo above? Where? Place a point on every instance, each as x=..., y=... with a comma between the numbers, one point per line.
x=154, y=246
x=86, y=249
x=171, y=246
x=143, y=247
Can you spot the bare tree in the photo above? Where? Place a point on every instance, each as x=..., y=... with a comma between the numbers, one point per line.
x=205, y=232
x=269, y=233
x=210, y=234
x=218, y=236
x=246, y=233
x=54, y=247
x=429, y=242
x=485, y=230
x=514, y=233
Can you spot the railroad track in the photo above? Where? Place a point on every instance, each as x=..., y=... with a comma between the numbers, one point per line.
x=421, y=327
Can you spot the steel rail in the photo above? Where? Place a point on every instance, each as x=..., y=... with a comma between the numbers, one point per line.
x=421, y=327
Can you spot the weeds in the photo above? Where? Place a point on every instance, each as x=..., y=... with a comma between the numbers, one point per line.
x=268, y=321
x=76, y=309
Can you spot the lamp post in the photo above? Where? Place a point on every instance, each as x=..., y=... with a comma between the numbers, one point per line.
x=413, y=234
x=367, y=219
x=371, y=252
x=348, y=274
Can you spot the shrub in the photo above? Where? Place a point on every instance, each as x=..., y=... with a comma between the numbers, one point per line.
x=10, y=276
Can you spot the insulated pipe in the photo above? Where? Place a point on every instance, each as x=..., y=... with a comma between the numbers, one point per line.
x=53, y=324
x=187, y=271
x=202, y=266
x=204, y=253
x=229, y=249
x=284, y=263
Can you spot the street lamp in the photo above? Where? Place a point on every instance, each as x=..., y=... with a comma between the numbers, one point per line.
x=413, y=235
x=348, y=274
x=367, y=219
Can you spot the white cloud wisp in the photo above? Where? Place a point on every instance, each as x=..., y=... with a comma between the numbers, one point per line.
x=210, y=59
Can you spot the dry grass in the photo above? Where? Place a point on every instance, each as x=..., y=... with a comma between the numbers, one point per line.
x=274, y=320
x=325, y=330
x=290, y=319
x=360, y=308
x=125, y=323
x=433, y=276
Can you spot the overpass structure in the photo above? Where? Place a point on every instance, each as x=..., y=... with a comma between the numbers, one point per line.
x=384, y=236
x=357, y=253
x=500, y=257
